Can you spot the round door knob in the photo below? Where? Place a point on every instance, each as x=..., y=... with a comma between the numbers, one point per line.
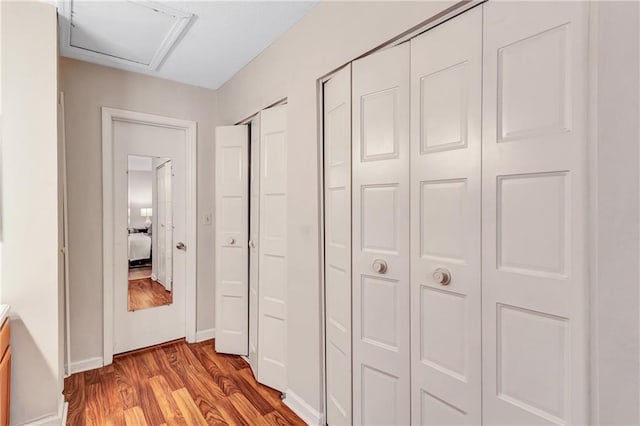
x=252, y=244
x=380, y=266
x=181, y=246
x=442, y=276
x=231, y=241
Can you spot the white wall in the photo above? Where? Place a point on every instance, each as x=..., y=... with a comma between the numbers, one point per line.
x=332, y=34
x=141, y=190
x=87, y=88
x=336, y=32
x=30, y=270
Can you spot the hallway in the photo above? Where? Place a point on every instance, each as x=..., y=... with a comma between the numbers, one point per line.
x=174, y=384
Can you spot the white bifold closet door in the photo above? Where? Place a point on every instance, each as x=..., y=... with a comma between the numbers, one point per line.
x=254, y=237
x=232, y=254
x=272, y=291
x=534, y=216
x=446, y=103
x=337, y=242
x=381, y=350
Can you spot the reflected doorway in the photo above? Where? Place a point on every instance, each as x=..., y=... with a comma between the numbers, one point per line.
x=150, y=232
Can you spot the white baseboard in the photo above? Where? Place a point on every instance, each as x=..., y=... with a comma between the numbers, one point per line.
x=208, y=334
x=305, y=411
x=85, y=365
x=59, y=419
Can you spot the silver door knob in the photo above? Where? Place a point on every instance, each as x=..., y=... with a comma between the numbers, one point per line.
x=380, y=266
x=442, y=276
x=252, y=244
x=181, y=246
x=231, y=241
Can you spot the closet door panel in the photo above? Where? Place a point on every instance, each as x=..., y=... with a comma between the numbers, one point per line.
x=380, y=158
x=272, y=305
x=232, y=256
x=254, y=237
x=446, y=88
x=535, y=213
x=337, y=202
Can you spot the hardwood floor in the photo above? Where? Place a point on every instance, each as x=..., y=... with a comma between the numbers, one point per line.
x=174, y=384
x=141, y=272
x=146, y=293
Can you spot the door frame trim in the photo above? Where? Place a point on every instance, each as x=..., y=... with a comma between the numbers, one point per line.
x=109, y=116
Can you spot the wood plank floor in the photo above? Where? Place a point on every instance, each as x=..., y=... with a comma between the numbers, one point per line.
x=145, y=293
x=141, y=272
x=174, y=384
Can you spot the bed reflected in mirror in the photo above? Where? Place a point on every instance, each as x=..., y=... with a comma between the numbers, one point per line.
x=150, y=230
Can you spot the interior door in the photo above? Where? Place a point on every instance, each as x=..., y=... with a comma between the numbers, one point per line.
x=535, y=213
x=272, y=309
x=138, y=328
x=232, y=235
x=446, y=90
x=254, y=237
x=165, y=224
x=337, y=243
x=381, y=350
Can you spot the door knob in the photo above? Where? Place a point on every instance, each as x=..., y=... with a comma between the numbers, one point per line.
x=181, y=246
x=252, y=244
x=442, y=276
x=231, y=241
x=380, y=266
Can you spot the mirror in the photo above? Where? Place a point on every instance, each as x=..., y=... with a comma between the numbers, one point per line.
x=150, y=232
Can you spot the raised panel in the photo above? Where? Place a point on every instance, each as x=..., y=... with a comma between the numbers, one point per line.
x=534, y=86
x=533, y=357
x=336, y=378
x=232, y=259
x=338, y=283
x=231, y=220
x=233, y=311
x=443, y=109
x=337, y=135
x=378, y=125
x=380, y=312
x=231, y=170
x=337, y=216
x=443, y=232
x=437, y=412
x=379, y=217
x=273, y=146
x=273, y=278
x=443, y=331
x=274, y=208
x=273, y=352
x=379, y=397
x=532, y=223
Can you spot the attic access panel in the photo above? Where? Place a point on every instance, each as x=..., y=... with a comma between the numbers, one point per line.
x=136, y=33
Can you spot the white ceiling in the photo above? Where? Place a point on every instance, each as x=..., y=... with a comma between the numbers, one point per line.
x=202, y=43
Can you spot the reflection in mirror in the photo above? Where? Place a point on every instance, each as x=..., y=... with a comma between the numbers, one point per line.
x=150, y=228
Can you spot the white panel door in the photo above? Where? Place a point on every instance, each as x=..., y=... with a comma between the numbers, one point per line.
x=254, y=237
x=381, y=350
x=337, y=243
x=147, y=327
x=446, y=102
x=535, y=213
x=272, y=292
x=232, y=235
x=164, y=233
